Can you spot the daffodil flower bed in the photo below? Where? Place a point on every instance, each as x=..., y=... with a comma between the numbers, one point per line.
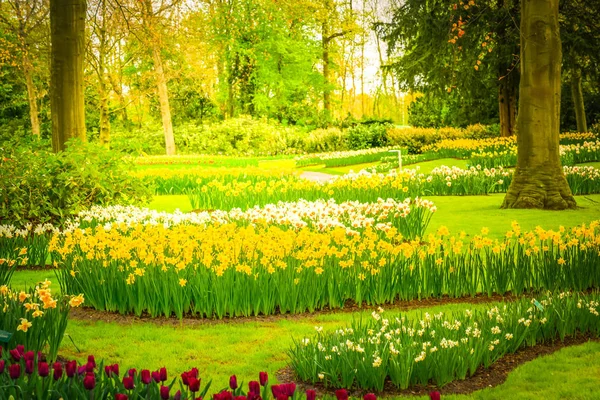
x=439, y=347
x=227, y=269
x=36, y=318
x=179, y=181
x=409, y=217
x=366, y=186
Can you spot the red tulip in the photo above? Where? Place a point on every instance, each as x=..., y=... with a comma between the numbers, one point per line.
x=92, y=360
x=0, y=351
x=71, y=368
x=254, y=387
x=89, y=381
x=108, y=370
x=29, y=367
x=240, y=398
x=282, y=396
x=89, y=367
x=21, y=349
x=16, y=356
x=146, y=378
x=132, y=372
x=164, y=392
x=128, y=382
x=43, y=369
x=233, y=382
x=155, y=376
x=434, y=395
x=120, y=396
x=30, y=355
x=163, y=374
x=14, y=371
x=185, y=378
x=341, y=394
x=263, y=378
x=2, y=364
x=194, y=384
x=58, y=371
x=290, y=388
x=311, y=394
x=193, y=372
x=369, y=396
x=276, y=390
x=177, y=395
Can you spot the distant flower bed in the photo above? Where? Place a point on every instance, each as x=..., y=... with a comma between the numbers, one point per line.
x=438, y=347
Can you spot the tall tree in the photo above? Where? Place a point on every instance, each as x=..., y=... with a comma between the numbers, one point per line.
x=26, y=20
x=67, y=22
x=539, y=181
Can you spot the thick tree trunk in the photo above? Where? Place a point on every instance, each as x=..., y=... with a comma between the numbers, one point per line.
x=578, y=104
x=163, y=98
x=31, y=96
x=67, y=21
x=538, y=180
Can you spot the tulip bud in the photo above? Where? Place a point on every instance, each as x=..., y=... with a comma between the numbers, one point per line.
x=120, y=396
x=146, y=378
x=30, y=355
x=434, y=395
x=29, y=367
x=132, y=372
x=14, y=371
x=21, y=349
x=71, y=368
x=233, y=382
x=58, y=371
x=369, y=396
x=128, y=382
x=43, y=369
x=311, y=394
x=177, y=395
x=341, y=394
x=163, y=374
x=89, y=381
x=254, y=387
x=164, y=392
x=263, y=378
x=2, y=365
x=194, y=385
x=92, y=360
x=16, y=356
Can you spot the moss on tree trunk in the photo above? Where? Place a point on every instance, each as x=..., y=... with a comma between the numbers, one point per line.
x=538, y=181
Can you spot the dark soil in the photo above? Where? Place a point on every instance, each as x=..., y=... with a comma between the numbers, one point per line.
x=483, y=378
x=90, y=314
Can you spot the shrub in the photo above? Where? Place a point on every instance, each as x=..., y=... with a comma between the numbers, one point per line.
x=37, y=185
x=366, y=136
x=323, y=140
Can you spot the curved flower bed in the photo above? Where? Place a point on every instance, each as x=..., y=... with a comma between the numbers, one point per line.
x=438, y=347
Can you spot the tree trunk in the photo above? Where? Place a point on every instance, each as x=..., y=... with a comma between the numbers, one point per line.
x=326, y=88
x=31, y=96
x=538, y=181
x=578, y=104
x=507, y=108
x=67, y=22
x=104, y=134
x=163, y=98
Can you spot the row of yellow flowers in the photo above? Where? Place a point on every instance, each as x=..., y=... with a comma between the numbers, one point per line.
x=248, y=270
